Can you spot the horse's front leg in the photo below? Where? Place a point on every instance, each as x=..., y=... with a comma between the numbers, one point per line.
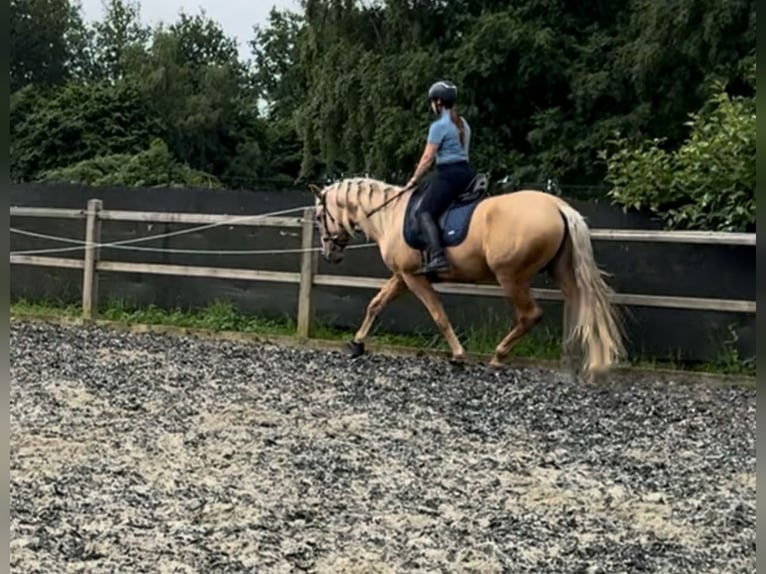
x=392, y=288
x=424, y=291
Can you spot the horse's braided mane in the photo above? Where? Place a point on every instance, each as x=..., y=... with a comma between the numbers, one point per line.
x=358, y=193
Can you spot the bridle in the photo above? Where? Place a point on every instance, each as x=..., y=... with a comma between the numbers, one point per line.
x=330, y=237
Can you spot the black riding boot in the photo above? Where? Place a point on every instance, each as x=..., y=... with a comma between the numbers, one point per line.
x=437, y=260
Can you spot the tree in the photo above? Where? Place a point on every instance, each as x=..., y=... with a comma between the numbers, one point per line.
x=48, y=43
x=118, y=38
x=58, y=127
x=202, y=95
x=278, y=82
x=544, y=83
x=338, y=86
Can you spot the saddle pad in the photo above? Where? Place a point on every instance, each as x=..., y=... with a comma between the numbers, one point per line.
x=453, y=223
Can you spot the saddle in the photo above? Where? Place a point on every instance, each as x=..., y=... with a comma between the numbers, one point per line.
x=453, y=223
x=478, y=188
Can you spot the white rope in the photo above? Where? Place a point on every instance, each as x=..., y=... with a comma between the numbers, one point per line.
x=206, y=226
x=115, y=244
x=122, y=245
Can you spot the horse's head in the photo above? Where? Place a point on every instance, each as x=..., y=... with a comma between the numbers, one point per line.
x=334, y=235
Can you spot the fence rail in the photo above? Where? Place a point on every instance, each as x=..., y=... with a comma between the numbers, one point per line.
x=643, y=235
x=307, y=277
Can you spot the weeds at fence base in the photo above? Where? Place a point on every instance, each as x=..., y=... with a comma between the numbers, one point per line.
x=221, y=316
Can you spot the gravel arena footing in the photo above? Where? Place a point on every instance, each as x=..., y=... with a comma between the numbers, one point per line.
x=150, y=453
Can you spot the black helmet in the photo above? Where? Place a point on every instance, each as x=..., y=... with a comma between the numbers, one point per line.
x=443, y=90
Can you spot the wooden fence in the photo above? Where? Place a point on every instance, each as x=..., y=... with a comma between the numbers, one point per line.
x=307, y=277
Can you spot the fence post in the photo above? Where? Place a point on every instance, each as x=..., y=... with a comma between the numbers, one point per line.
x=308, y=259
x=89, y=274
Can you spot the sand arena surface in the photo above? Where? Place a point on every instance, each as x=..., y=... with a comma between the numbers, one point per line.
x=149, y=453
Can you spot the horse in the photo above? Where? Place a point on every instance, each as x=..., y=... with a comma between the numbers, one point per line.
x=505, y=239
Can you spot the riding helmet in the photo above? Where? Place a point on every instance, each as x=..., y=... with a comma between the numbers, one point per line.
x=444, y=90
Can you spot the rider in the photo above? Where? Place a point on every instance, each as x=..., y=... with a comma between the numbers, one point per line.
x=448, y=142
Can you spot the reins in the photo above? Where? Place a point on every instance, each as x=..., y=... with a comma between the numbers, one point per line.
x=389, y=200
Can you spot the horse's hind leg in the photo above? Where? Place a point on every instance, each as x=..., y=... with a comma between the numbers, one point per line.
x=528, y=313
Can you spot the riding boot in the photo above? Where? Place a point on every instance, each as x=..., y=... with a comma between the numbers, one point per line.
x=437, y=260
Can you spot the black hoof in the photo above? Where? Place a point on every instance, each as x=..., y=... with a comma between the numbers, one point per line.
x=356, y=348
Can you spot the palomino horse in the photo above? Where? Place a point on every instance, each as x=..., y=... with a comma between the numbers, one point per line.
x=505, y=239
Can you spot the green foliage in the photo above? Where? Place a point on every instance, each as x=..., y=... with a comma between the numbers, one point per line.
x=544, y=84
x=276, y=76
x=204, y=100
x=708, y=182
x=48, y=42
x=154, y=167
x=75, y=122
x=118, y=38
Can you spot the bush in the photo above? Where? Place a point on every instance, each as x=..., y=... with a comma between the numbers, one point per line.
x=707, y=183
x=154, y=167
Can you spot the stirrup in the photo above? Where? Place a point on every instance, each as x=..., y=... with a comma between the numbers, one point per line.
x=436, y=265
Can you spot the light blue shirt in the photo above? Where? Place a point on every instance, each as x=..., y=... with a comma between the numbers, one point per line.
x=444, y=134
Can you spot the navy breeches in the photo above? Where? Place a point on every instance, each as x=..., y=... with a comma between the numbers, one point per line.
x=449, y=181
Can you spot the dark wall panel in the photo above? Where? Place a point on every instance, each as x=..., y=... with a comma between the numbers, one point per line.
x=642, y=268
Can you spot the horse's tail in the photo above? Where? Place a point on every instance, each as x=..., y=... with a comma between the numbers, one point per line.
x=596, y=324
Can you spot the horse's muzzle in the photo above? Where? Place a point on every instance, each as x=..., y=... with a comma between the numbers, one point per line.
x=334, y=256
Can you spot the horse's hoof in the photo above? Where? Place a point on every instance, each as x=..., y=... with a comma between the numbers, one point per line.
x=356, y=348
x=457, y=361
x=495, y=364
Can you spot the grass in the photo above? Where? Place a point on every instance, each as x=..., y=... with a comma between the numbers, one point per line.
x=542, y=343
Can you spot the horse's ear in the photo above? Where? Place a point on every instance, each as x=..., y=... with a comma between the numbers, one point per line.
x=316, y=190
